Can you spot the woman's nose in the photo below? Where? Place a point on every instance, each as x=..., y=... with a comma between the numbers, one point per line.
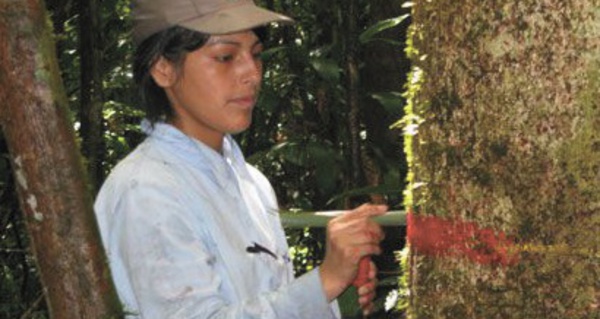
x=252, y=69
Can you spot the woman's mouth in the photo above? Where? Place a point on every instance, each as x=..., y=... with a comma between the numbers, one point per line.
x=247, y=101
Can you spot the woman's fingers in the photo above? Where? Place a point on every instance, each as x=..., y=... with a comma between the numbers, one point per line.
x=358, y=225
x=350, y=237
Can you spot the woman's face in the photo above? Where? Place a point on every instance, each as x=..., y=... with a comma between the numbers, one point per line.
x=215, y=90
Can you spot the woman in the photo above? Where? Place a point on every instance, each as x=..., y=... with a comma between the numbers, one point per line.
x=190, y=229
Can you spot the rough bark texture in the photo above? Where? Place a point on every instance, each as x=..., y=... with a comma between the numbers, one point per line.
x=48, y=170
x=504, y=133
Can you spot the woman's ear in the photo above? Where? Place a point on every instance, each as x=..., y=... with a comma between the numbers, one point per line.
x=163, y=72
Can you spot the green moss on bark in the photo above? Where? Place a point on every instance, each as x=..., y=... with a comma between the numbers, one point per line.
x=504, y=116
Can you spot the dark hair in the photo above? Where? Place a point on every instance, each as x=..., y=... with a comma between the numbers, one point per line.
x=173, y=44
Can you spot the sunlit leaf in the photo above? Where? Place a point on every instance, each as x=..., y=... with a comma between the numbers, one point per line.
x=369, y=34
x=393, y=102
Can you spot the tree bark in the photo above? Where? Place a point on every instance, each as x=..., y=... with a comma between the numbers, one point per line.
x=50, y=177
x=90, y=112
x=351, y=74
x=503, y=137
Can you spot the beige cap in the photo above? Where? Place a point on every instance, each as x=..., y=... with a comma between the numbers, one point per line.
x=206, y=16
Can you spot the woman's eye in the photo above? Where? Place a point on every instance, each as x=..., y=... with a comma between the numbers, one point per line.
x=224, y=58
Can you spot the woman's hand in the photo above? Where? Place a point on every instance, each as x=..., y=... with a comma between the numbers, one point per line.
x=350, y=237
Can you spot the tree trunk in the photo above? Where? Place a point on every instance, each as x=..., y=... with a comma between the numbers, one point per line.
x=52, y=190
x=350, y=47
x=90, y=112
x=503, y=137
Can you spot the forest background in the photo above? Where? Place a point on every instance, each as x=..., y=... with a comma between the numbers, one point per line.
x=321, y=131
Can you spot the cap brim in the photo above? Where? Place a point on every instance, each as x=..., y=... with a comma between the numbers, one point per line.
x=235, y=19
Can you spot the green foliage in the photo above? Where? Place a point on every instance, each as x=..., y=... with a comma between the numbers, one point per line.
x=304, y=146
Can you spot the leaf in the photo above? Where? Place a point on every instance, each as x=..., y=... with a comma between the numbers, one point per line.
x=268, y=100
x=348, y=303
x=369, y=33
x=269, y=53
x=328, y=69
x=327, y=163
x=393, y=102
x=292, y=152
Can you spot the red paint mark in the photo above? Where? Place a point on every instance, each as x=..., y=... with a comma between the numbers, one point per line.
x=435, y=236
